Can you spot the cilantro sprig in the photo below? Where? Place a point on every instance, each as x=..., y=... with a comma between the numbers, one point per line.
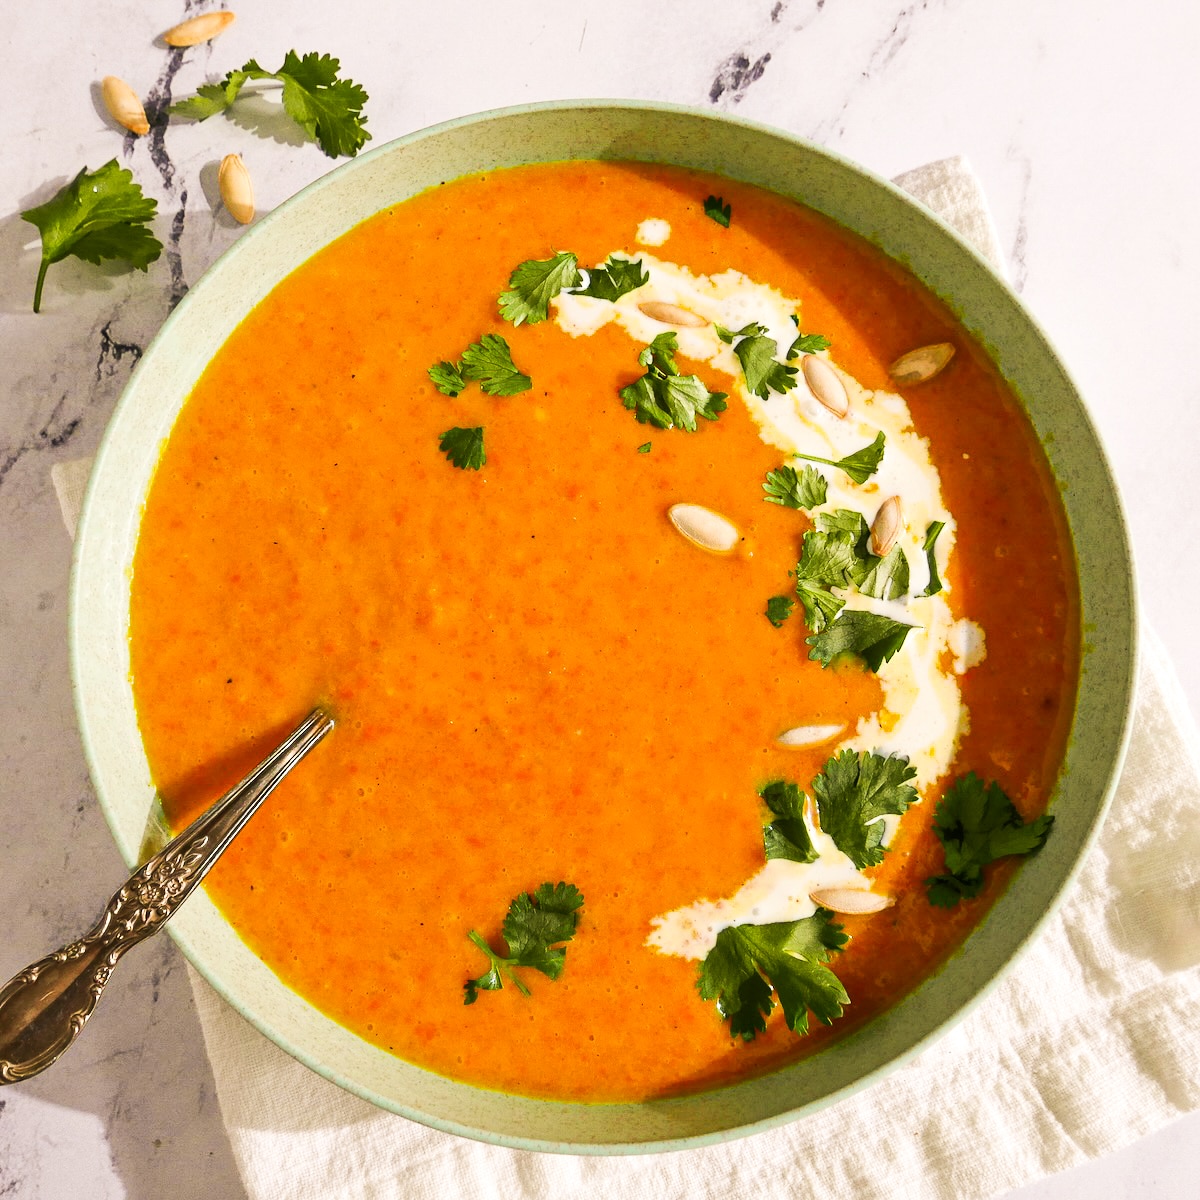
x=327, y=108
x=860, y=465
x=534, y=283
x=932, y=530
x=869, y=636
x=756, y=352
x=752, y=966
x=716, y=208
x=614, y=278
x=464, y=447
x=779, y=608
x=100, y=214
x=666, y=399
x=805, y=489
x=534, y=930
x=854, y=792
x=787, y=836
x=489, y=363
x=977, y=824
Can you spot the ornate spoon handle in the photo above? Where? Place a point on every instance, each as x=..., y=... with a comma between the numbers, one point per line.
x=43, y=1008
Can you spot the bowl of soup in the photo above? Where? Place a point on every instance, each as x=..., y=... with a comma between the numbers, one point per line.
x=719, y=586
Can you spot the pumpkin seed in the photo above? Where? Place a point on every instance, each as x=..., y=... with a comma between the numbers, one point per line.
x=889, y=520
x=851, y=901
x=672, y=314
x=123, y=105
x=236, y=191
x=921, y=364
x=198, y=29
x=704, y=528
x=824, y=383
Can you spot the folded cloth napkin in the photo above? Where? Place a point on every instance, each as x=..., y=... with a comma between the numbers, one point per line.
x=1087, y=1044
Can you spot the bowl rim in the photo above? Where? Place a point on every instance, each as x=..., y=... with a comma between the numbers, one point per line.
x=88, y=538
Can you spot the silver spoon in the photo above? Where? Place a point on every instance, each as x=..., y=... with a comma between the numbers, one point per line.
x=43, y=1008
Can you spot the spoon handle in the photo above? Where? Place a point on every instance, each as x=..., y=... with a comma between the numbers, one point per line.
x=43, y=1008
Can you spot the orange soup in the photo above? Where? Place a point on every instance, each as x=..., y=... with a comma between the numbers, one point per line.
x=719, y=679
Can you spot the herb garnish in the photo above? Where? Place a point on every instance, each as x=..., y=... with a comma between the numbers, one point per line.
x=748, y=961
x=779, y=608
x=805, y=489
x=869, y=636
x=99, y=214
x=327, y=108
x=977, y=825
x=464, y=447
x=614, y=279
x=487, y=361
x=663, y=397
x=644, y=448
x=854, y=792
x=534, y=930
x=534, y=283
x=756, y=352
x=787, y=836
x=860, y=465
x=931, y=537
x=716, y=208
x=806, y=343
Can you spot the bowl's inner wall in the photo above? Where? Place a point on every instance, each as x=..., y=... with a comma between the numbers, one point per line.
x=165, y=377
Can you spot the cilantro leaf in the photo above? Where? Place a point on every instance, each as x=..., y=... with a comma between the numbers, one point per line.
x=787, y=836
x=447, y=378
x=716, y=208
x=807, y=343
x=534, y=283
x=327, y=108
x=977, y=825
x=793, y=489
x=747, y=961
x=779, y=608
x=762, y=373
x=534, y=930
x=664, y=398
x=644, y=448
x=854, y=792
x=729, y=336
x=464, y=447
x=931, y=537
x=860, y=465
x=616, y=278
x=489, y=361
x=98, y=215
x=872, y=637
x=826, y=561
x=884, y=578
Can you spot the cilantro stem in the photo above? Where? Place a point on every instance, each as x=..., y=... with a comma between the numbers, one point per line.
x=37, y=291
x=497, y=961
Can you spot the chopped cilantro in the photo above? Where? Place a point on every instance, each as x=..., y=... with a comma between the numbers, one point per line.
x=762, y=373
x=536, y=282
x=931, y=537
x=854, y=792
x=489, y=361
x=826, y=561
x=860, y=465
x=792, y=489
x=748, y=961
x=716, y=208
x=885, y=578
x=99, y=214
x=806, y=343
x=463, y=447
x=327, y=108
x=779, y=608
x=787, y=836
x=850, y=522
x=614, y=279
x=644, y=448
x=447, y=378
x=872, y=637
x=534, y=930
x=976, y=825
x=729, y=336
x=663, y=397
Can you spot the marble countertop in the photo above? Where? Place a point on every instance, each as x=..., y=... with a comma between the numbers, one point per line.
x=1078, y=117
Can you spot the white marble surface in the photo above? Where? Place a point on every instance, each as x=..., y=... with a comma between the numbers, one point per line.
x=1079, y=117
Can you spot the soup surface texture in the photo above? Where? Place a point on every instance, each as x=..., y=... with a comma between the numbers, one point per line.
x=537, y=677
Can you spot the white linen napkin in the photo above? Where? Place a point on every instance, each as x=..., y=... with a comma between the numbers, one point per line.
x=1088, y=1043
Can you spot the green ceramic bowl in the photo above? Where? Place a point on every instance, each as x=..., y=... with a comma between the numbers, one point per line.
x=878, y=212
